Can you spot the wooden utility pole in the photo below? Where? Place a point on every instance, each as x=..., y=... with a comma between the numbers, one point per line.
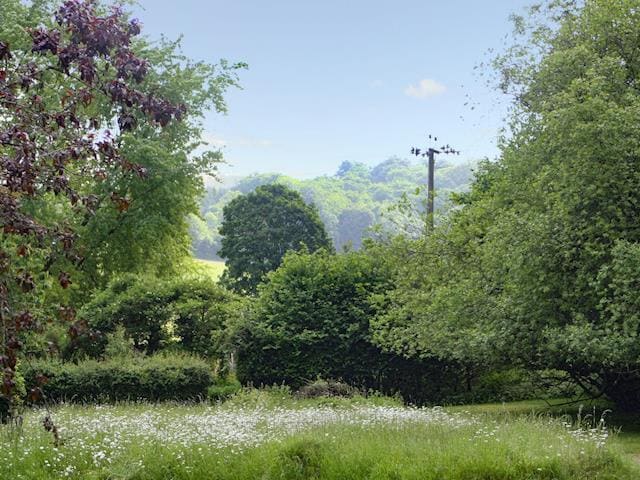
x=431, y=153
x=431, y=194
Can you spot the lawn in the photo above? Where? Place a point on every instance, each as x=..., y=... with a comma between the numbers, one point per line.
x=257, y=437
x=212, y=269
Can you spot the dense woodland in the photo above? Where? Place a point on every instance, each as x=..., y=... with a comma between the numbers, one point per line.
x=357, y=202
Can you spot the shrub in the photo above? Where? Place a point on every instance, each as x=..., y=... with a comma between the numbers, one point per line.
x=313, y=318
x=188, y=314
x=327, y=388
x=118, y=344
x=138, y=304
x=224, y=388
x=156, y=378
x=19, y=394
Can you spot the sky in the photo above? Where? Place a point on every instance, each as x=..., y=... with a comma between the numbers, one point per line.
x=332, y=81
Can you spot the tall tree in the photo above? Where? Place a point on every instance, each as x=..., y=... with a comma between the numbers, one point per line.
x=538, y=266
x=260, y=227
x=149, y=232
x=75, y=95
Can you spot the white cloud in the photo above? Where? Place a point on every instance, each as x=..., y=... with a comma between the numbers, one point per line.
x=425, y=88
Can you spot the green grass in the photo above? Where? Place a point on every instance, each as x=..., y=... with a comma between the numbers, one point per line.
x=153, y=442
x=626, y=426
x=208, y=268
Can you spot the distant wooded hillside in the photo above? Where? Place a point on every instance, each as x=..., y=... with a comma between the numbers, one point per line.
x=353, y=200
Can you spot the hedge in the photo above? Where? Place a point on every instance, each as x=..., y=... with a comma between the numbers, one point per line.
x=156, y=378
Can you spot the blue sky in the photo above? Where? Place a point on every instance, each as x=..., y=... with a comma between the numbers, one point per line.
x=330, y=81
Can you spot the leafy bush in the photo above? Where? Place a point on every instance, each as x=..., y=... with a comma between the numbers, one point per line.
x=138, y=304
x=118, y=344
x=156, y=378
x=188, y=314
x=224, y=388
x=7, y=409
x=313, y=319
x=326, y=388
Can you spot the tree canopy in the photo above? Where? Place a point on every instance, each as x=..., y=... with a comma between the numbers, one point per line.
x=259, y=228
x=538, y=266
x=350, y=203
x=99, y=160
x=60, y=94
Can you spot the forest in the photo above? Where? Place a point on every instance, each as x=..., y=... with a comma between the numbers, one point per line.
x=353, y=202
x=350, y=333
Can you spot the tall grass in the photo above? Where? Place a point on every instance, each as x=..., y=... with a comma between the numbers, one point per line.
x=258, y=439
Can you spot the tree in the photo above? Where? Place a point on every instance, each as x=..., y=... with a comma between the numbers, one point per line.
x=352, y=228
x=69, y=98
x=312, y=319
x=260, y=227
x=190, y=314
x=372, y=192
x=537, y=268
x=151, y=235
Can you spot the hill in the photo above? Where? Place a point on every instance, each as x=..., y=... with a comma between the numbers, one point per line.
x=350, y=202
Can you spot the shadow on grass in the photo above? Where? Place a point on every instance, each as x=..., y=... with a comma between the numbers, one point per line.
x=626, y=425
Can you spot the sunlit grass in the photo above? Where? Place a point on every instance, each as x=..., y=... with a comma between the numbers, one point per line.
x=212, y=269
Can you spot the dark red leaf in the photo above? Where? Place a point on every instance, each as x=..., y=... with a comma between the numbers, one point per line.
x=64, y=279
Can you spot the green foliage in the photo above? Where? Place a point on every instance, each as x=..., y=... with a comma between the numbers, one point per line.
x=119, y=345
x=224, y=388
x=9, y=407
x=137, y=304
x=155, y=378
x=312, y=319
x=210, y=269
x=149, y=230
x=326, y=388
x=281, y=396
x=539, y=267
x=350, y=202
x=260, y=227
x=152, y=235
x=190, y=314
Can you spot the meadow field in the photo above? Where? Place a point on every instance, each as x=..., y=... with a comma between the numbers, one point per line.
x=372, y=271
x=267, y=436
x=208, y=268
